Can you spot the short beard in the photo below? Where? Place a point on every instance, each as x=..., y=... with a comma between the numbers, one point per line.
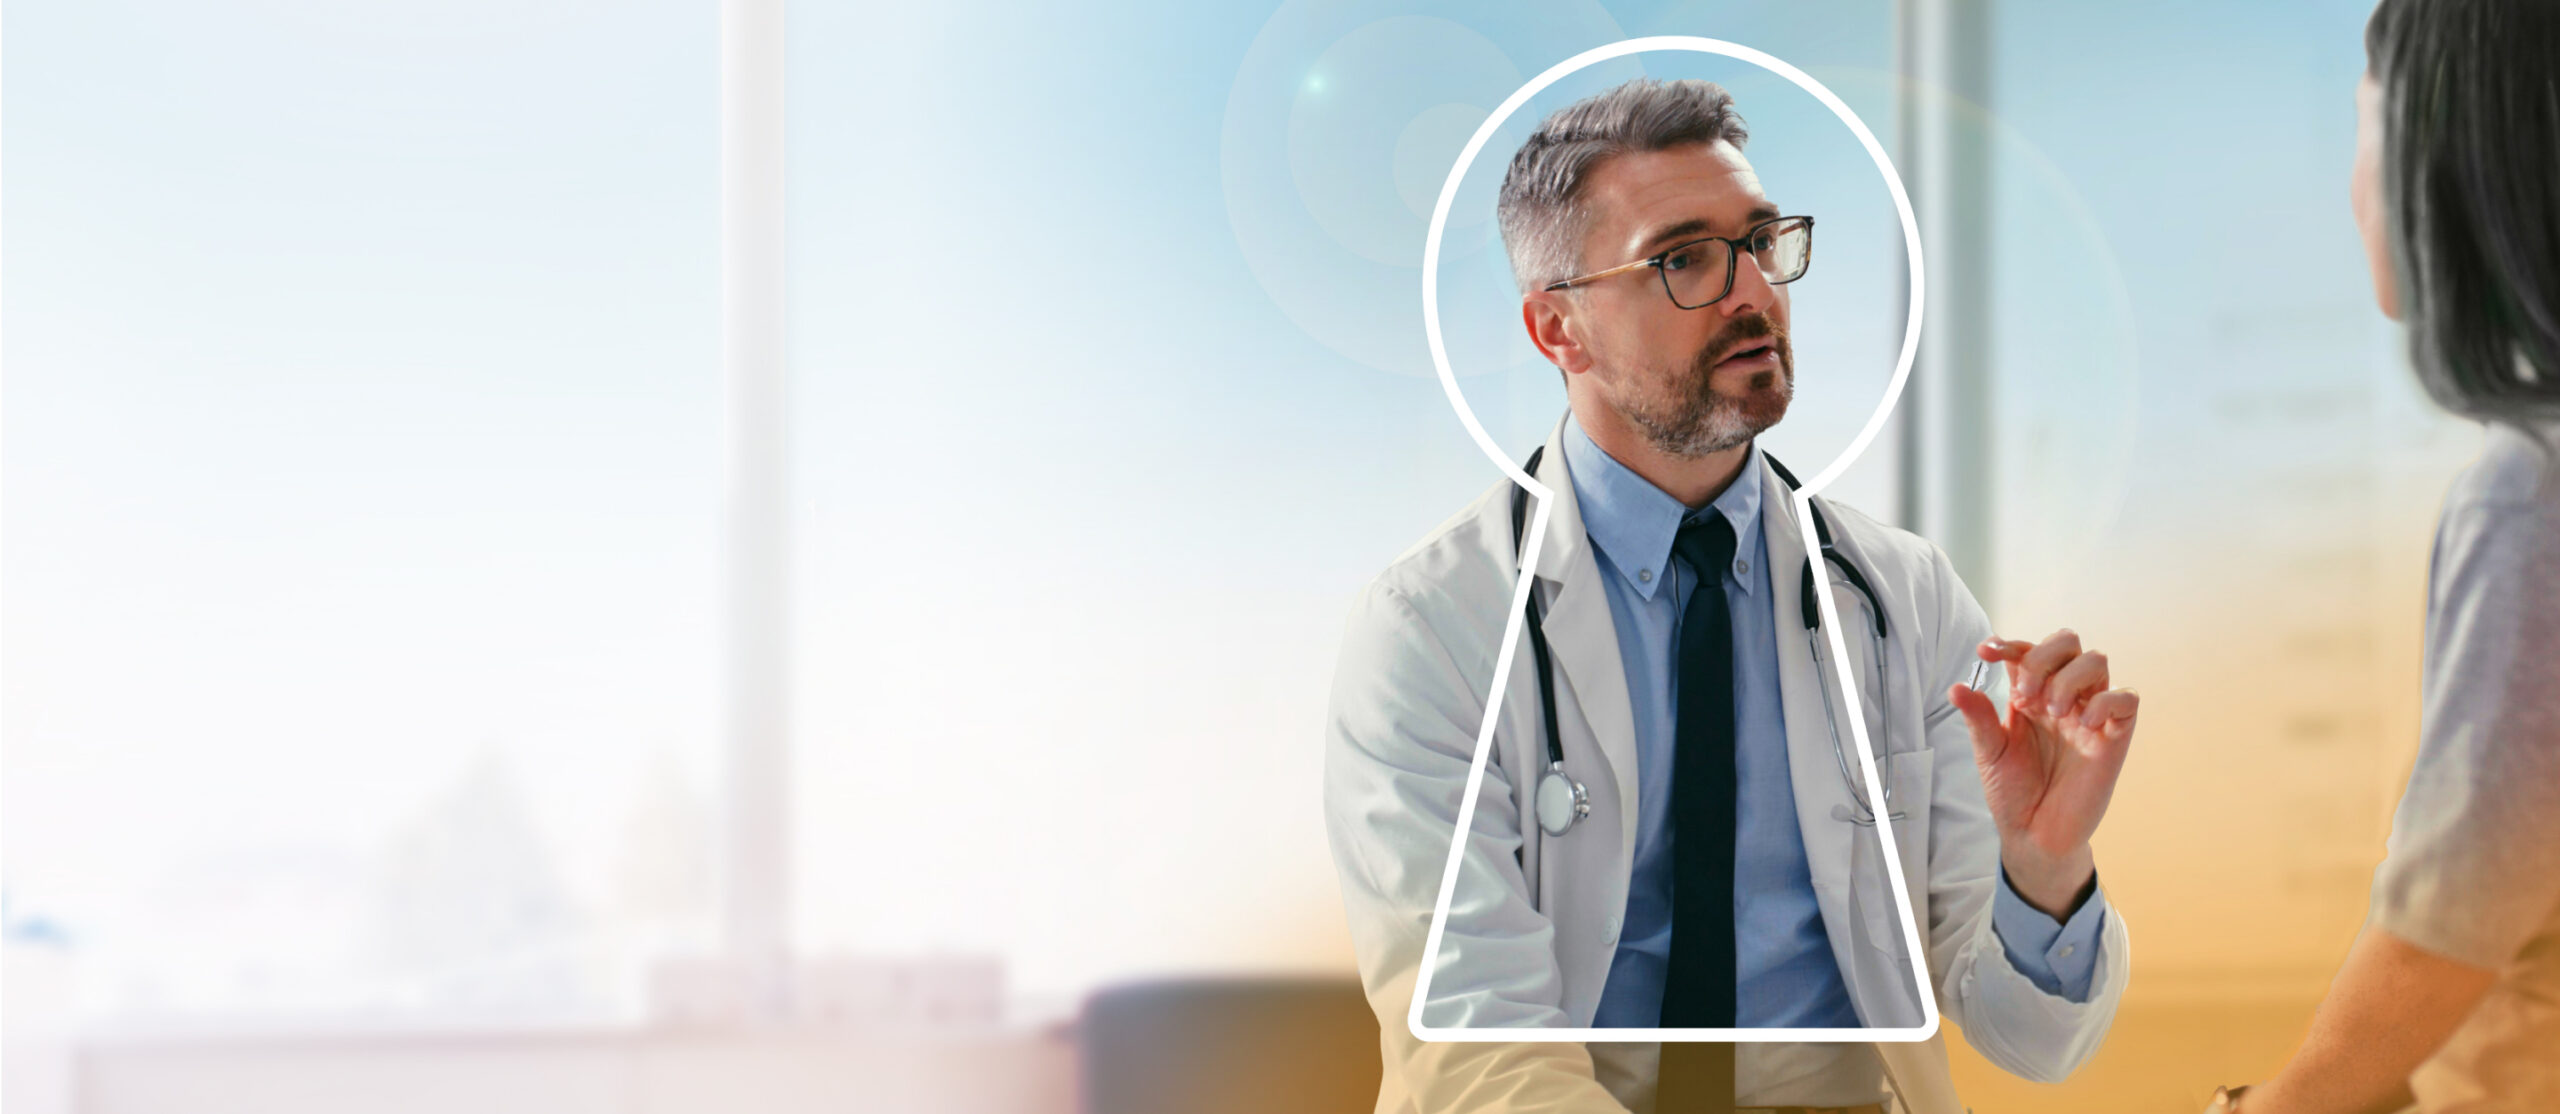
x=1697, y=420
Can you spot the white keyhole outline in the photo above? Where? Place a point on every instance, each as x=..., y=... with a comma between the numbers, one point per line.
x=1537, y=532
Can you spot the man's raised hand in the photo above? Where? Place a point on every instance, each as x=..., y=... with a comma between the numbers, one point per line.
x=2050, y=767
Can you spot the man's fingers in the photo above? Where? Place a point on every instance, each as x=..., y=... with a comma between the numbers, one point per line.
x=2106, y=727
x=1990, y=739
x=2006, y=651
x=2112, y=714
x=2113, y=704
x=2085, y=675
x=2040, y=662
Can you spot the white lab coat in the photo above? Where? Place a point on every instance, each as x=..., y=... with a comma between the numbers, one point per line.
x=1407, y=703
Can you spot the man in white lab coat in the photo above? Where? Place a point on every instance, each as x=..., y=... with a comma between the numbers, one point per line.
x=1724, y=870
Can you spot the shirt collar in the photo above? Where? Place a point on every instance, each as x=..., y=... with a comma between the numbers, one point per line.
x=1633, y=521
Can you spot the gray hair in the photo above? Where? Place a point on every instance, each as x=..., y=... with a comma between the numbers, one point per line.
x=1542, y=215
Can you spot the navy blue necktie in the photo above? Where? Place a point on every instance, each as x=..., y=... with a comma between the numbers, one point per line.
x=1698, y=991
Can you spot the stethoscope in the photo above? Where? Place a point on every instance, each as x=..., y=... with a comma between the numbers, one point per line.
x=1561, y=801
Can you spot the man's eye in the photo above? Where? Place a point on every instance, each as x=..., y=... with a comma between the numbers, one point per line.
x=1677, y=261
x=1763, y=242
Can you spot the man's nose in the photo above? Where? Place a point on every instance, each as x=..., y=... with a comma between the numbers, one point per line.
x=1751, y=291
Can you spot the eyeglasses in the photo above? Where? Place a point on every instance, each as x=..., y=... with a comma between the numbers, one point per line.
x=1697, y=273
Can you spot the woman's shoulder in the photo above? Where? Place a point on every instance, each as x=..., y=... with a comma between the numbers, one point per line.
x=2501, y=516
x=2518, y=469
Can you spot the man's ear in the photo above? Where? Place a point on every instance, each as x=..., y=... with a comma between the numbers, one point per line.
x=1556, y=328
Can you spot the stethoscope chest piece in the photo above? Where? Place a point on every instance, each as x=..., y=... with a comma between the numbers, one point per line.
x=1561, y=801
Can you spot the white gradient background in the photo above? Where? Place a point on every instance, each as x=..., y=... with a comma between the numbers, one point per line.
x=361, y=439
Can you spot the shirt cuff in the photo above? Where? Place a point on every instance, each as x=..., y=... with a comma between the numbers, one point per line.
x=2060, y=957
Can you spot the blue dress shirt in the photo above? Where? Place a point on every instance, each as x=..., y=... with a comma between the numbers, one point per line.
x=1787, y=977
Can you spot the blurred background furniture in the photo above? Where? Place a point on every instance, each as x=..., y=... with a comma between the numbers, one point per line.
x=1229, y=1046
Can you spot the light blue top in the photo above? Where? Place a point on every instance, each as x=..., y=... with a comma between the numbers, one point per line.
x=1787, y=977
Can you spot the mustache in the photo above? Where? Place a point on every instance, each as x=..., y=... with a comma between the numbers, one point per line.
x=1742, y=332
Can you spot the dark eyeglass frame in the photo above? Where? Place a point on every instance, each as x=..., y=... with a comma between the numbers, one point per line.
x=1732, y=259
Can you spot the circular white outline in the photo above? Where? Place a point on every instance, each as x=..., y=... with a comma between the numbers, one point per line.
x=1557, y=72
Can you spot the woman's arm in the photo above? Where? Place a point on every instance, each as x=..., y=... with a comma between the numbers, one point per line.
x=2392, y=1005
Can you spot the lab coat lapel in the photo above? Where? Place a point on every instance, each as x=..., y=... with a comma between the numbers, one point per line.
x=1811, y=762
x=1584, y=635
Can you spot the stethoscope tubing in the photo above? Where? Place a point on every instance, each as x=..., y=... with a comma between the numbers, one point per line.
x=1561, y=801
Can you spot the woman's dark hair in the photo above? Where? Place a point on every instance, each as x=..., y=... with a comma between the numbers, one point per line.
x=2471, y=191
